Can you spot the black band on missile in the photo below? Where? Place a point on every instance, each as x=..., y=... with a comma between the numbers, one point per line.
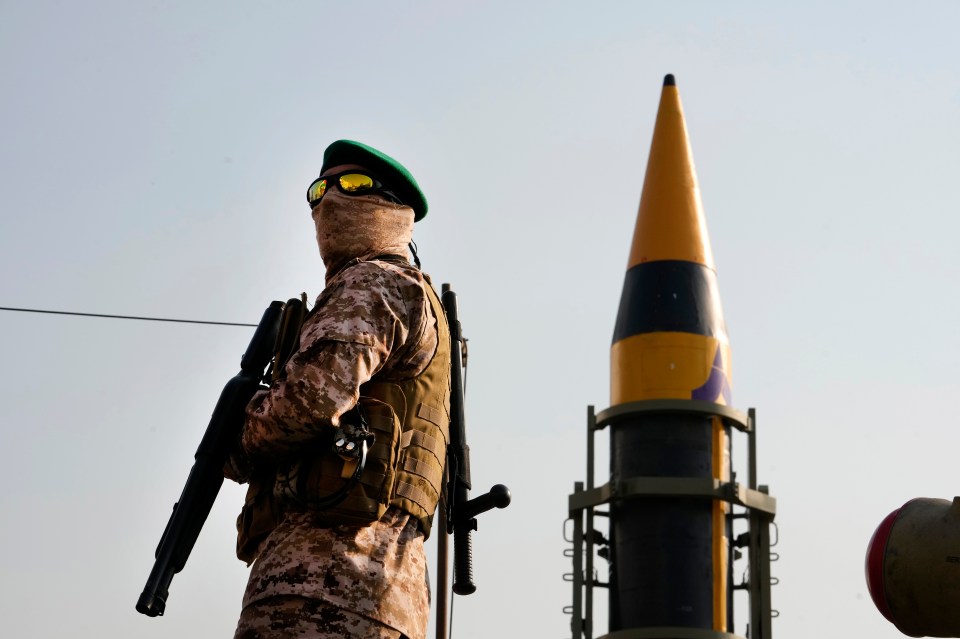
x=669, y=296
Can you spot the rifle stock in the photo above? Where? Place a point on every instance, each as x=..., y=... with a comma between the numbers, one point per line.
x=206, y=476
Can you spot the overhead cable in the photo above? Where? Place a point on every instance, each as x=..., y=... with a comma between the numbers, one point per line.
x=128, y=317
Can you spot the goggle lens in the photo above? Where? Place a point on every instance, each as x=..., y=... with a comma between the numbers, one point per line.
x=352, y=182
x=316, y=190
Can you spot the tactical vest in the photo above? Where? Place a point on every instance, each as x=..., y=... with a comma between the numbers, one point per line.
x=423, y=405
x=405, y=466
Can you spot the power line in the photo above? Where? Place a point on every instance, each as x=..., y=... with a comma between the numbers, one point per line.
x=128, y=317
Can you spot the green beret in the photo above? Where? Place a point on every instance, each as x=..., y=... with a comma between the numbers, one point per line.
x=393, y=174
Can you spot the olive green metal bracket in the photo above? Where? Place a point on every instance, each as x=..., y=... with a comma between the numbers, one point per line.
x=619, y=412
x=732, y=492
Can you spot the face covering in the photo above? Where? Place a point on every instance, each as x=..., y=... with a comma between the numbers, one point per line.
x=350, y=228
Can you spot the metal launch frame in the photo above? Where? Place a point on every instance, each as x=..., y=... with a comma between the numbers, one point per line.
x=760, y=511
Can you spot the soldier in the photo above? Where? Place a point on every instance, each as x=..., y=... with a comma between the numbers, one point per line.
x=373, y=356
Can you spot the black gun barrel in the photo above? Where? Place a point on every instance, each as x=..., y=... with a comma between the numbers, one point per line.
x=206, y=477
x=462, y=528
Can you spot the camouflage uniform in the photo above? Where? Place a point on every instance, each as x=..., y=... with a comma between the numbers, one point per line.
x=373, y=318
x=301, y=617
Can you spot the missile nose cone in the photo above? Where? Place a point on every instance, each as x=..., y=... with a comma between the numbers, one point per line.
x=670, y=220
x=670, y=339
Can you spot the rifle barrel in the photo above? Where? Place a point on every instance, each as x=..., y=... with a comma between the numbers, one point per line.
x=206, y=476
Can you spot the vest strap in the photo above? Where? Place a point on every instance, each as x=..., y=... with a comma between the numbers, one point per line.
x=422, y=440
x=431, y=472
x=416, y=494
x=432, y=414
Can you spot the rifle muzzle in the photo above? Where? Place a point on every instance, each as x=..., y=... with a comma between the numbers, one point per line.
x=151, y=604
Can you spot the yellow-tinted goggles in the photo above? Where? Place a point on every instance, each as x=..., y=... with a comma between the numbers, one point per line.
x=349, y=183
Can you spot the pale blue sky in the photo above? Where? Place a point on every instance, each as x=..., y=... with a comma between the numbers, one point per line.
x=154, y=162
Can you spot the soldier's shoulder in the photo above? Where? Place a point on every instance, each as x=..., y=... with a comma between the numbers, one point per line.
x=377, y=283
x=367, y=272
x=397, y=269
x=401, y=276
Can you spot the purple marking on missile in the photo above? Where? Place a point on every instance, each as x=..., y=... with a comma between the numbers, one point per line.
x=716, y=385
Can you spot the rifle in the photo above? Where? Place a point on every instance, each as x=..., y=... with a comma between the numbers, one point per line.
x=461, y=510
x=205, y=478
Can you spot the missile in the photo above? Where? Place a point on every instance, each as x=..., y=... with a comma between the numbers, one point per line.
x=670, y=342
x=913, y=567
x=672, y=491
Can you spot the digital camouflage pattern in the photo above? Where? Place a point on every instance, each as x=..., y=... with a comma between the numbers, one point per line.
x=378, y=571
x=290, y=617
x=374, y=318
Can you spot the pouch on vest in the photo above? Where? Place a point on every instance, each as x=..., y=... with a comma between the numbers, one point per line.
x=314, y=478
x=288, y=337
x=258, y=517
